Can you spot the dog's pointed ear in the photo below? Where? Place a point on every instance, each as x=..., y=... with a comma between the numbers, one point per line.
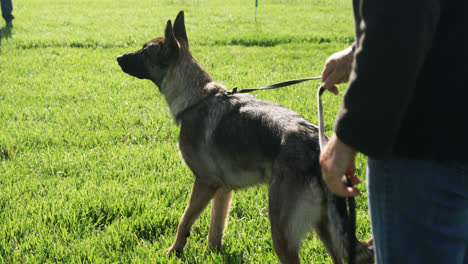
x=170, y=43
x=179, y=28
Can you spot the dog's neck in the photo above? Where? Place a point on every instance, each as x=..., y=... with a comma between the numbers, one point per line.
x=185, y=85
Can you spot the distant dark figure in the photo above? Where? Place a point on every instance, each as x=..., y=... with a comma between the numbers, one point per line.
x=7, y=8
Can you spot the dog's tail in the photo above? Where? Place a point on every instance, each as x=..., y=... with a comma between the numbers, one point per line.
x=346, y=221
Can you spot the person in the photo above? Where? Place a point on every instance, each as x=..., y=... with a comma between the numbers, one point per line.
x=7, y=8
x=405, y=109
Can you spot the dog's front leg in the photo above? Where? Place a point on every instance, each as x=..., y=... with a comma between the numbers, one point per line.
x=201, y=195
x=219, y=212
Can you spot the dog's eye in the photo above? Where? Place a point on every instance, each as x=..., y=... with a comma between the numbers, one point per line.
x=153, y=53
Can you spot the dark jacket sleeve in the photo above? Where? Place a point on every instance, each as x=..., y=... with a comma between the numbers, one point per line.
x=392, y=40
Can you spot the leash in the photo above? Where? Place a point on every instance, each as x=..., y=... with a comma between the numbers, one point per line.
x=273, y=86
x=351, y=221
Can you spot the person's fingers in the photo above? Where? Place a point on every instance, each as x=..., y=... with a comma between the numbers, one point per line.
x=327, y=70
x=331, y=80
x=350, y=170
x=338, y=187
x=343, y=79
x=337, y=182
x=351, y=192
x=354, y=180
x=334, y=90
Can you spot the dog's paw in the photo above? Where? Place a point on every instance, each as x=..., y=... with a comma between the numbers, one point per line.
x=174, y=251
x=365, y=253
x=215, y=249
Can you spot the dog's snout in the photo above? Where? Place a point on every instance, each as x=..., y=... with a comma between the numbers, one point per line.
x=120, y=58
x=133, y=64
x=121, y=61
x=124, y=60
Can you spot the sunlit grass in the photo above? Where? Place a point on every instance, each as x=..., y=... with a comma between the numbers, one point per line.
x=89, y=168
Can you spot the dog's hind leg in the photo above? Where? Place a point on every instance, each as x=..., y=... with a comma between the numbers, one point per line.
x=201, y=195
x=323, y=231
x=219, y=214
x=280, y=210
x=294, y=209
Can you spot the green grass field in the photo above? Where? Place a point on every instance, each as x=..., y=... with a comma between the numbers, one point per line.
x=89, y=167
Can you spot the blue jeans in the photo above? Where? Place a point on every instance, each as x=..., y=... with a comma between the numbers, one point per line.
x=419, y=211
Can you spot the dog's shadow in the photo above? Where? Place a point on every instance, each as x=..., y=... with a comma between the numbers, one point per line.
x=227, y=256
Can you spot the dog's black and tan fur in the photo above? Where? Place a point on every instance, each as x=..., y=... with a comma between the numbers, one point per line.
x=235, y=141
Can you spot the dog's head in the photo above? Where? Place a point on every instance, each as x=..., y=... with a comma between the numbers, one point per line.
x=157, y=56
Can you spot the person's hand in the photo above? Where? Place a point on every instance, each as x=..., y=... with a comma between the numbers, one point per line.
x=337, y=69
x=337, y=162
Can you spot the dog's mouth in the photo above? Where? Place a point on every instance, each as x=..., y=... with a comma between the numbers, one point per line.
x=132, y=63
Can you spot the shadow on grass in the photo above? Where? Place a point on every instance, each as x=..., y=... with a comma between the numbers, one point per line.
x=217, y=256
x=233, y=257
x=274, y=41
x=5, y=153
x=5, y=33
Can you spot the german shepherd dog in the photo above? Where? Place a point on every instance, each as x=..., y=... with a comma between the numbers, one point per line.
x=232, y=141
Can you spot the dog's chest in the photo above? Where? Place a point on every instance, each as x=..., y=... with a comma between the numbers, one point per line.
x=231, y=153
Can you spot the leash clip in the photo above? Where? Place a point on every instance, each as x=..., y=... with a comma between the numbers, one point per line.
x=233, y=91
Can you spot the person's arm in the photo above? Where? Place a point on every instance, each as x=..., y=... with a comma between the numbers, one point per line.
x=395, y=37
